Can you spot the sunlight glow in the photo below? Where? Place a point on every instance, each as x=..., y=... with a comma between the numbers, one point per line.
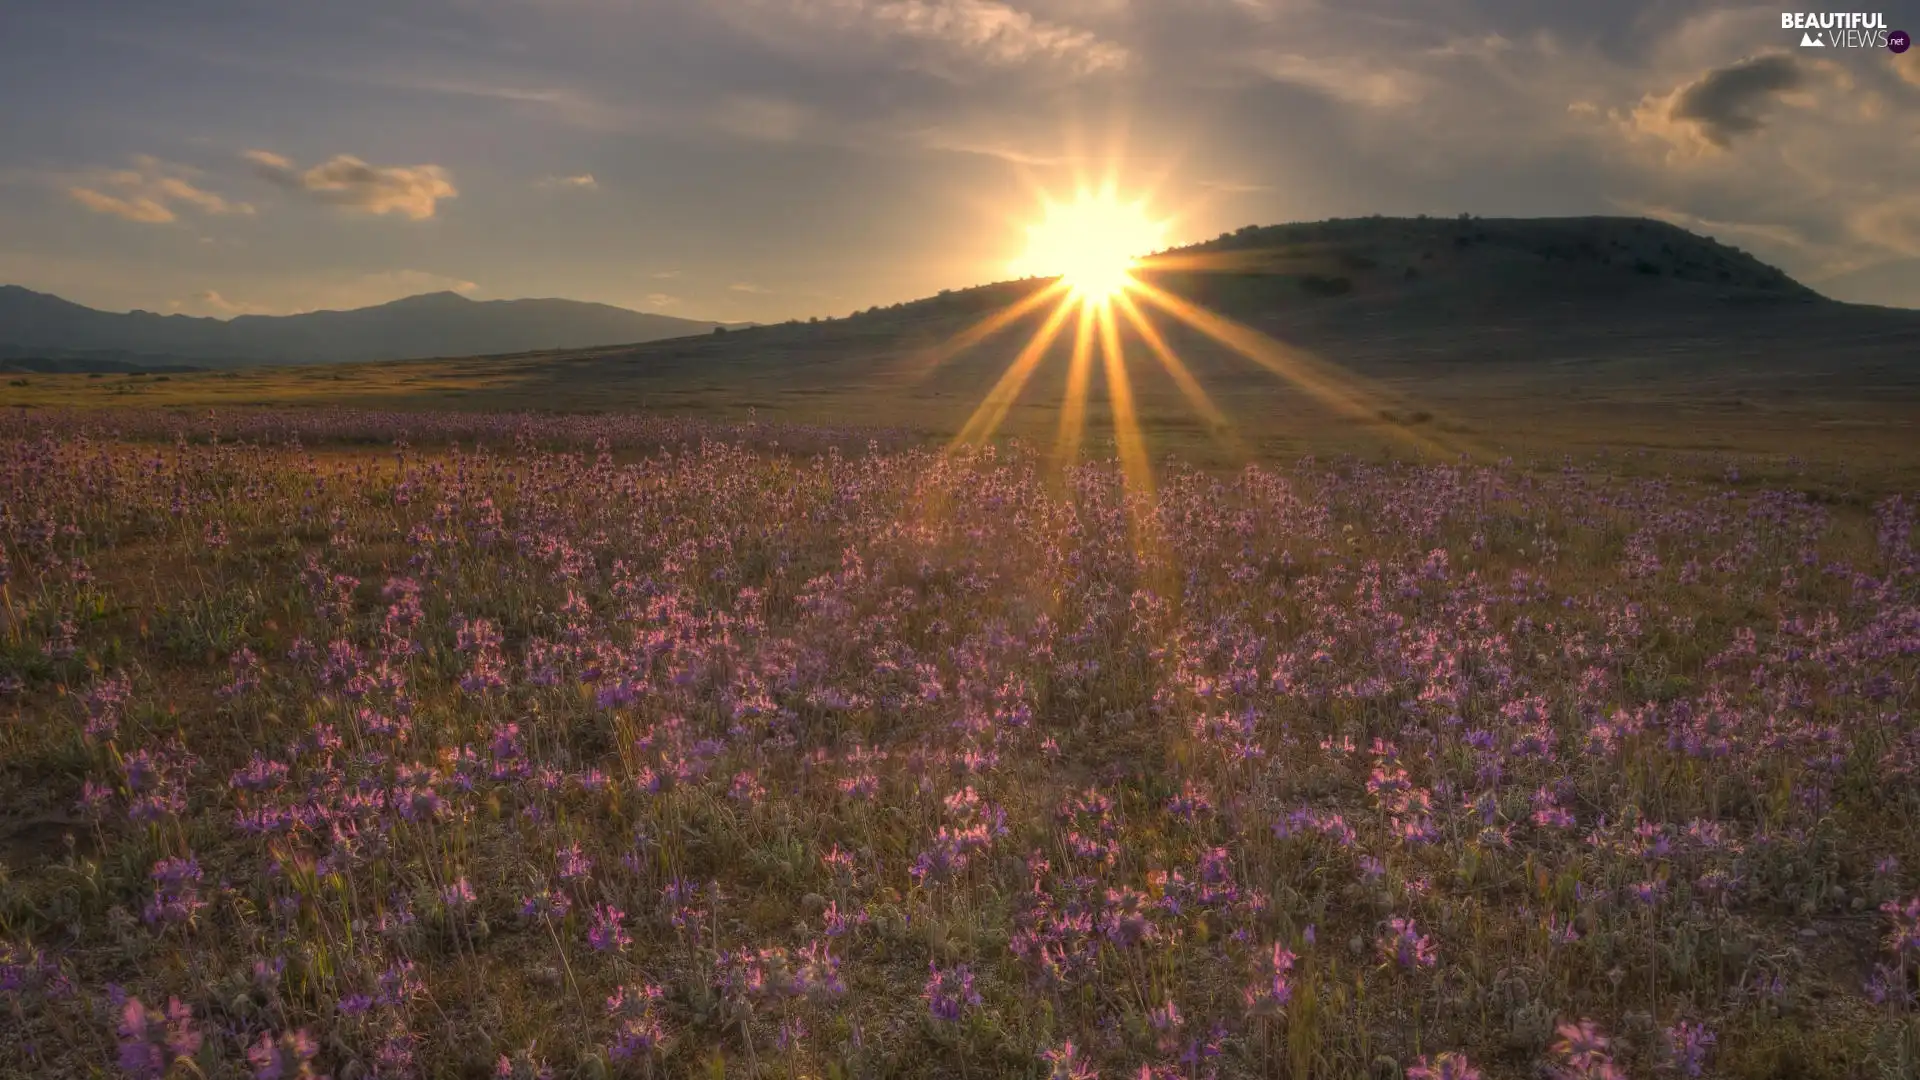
x=1091, y=243
x=1095, y=247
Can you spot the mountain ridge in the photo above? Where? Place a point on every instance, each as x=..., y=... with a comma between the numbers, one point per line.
x=53, y=330
x=1261, y=268
x=1420, y=286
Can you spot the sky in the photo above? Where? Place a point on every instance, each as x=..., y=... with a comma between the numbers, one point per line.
x=769, y=159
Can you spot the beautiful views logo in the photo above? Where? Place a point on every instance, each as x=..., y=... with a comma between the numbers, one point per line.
x=1844, y=30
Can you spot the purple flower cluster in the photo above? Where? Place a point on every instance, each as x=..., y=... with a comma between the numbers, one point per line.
x=152, y=1040
x=949, y=993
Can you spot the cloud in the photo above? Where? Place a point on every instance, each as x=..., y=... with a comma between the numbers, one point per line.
x=993, y=31
x=178, y=190
x=1907, y=70
x=1340, y=79
x=1776, y=235
x=661, y=300
x=949, y=141
x=138, y=208
x=746, y=287
x=1892, y=223
x=763, y=119
x=1726, y=102
x=570, y=105
x=1234, y=187
x=345, y=180
x=985, y=31
x=213, y=303
x=582, y=182
x=148, y=193
x=668, y=274
x=1774, y=241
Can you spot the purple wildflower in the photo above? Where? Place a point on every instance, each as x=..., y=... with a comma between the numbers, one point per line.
x=638, y=1032
x=1271, y=992
x=288, y=1056
x=151, y=1041
x=1687, y=1045
x=949, y=992
x=607, y=933
x=1064, y=1062
x=1406, y=946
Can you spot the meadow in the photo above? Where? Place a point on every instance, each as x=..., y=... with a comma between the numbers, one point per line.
x=383, y=744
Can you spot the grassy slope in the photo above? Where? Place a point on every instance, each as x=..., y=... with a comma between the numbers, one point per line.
x=1485, y=337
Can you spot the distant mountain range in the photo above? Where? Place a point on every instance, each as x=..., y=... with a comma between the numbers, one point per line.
x=1424, y=292
x=39, y=331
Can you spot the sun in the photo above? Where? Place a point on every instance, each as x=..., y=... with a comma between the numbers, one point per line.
x=1092, y=243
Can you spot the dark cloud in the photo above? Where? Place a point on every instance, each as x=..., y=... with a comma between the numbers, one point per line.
x=1728, y=102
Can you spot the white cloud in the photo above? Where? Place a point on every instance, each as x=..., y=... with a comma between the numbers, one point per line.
x=581, y=182
x=667, y=274
x=345, y=180
x=748, y=287
x=661, y=300
x=135, y=208
x=151, y=193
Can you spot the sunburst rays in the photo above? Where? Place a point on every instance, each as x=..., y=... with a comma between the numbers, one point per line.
x=988, y=327
x=1073, y=408
x=1119, y=306
x=993, y=408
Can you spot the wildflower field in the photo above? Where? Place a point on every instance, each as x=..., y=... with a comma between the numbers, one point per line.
x=388, y=745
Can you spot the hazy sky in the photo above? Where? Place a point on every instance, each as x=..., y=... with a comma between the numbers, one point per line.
x=760, y=159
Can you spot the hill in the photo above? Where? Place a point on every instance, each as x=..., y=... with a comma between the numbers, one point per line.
x=1586, y=301
x=1430, y=267
x=1477, y=335
x=50, y=331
